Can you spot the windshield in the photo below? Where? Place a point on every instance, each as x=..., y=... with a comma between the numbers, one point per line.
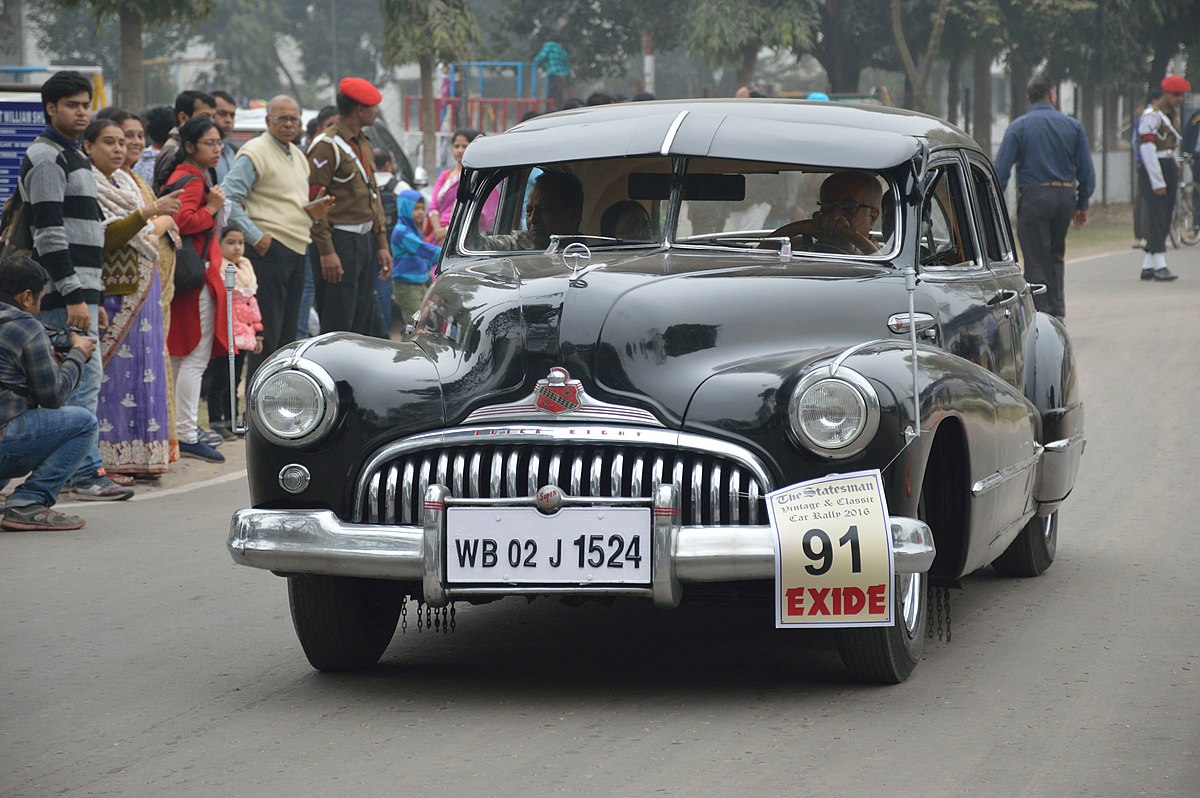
x=649, y=202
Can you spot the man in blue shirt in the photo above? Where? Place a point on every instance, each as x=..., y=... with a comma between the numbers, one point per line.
x=1055, y=179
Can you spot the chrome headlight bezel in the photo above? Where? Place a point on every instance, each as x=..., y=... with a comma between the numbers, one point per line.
x=869, y=407
x=324, y=390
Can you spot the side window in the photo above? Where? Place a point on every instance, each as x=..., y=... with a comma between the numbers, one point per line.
x=944, y=228
x=993, y=225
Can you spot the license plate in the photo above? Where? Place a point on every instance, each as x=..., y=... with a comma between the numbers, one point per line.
x=521, y=546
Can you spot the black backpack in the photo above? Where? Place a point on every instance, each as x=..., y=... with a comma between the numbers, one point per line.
x=16, y=234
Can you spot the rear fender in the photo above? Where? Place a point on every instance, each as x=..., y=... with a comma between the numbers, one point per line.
x=1052, y=385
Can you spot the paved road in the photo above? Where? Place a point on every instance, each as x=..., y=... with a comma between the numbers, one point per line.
x=137, y=660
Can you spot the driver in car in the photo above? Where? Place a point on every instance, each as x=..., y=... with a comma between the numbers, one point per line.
x=555, y=207
x=850, y=205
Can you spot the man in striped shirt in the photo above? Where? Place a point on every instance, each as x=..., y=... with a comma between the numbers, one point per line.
x=57, y=184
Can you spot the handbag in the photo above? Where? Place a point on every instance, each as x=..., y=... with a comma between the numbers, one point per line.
x=190, y=267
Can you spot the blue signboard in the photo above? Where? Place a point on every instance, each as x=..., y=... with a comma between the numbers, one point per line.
x=21, y=121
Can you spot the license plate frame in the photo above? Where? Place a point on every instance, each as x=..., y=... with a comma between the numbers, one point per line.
x=619, y=539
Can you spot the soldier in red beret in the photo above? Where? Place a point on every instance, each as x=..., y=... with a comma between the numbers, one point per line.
x=1158, y=175
x=353, y=239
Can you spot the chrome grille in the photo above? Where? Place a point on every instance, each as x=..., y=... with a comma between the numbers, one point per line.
x=716, y=490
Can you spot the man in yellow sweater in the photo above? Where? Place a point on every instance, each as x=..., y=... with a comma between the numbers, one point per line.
x=268, y=188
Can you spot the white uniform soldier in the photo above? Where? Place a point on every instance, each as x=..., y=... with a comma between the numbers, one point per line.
x=1158, y=177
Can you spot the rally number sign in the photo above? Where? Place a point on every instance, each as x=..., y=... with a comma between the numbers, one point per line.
x=833, y=552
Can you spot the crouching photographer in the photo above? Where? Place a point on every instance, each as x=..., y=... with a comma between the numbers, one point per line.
x=38, y=436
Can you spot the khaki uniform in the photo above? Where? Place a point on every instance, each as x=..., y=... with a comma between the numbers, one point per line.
x=343, y=165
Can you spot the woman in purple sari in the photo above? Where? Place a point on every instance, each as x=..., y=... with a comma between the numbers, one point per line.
x=133, y=406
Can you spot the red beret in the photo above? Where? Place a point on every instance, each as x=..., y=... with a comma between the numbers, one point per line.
x=360, y=90
x=1174, y=84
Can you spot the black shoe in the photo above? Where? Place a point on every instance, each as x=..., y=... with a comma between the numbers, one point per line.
x=224, y=431
x=1164, y=275
x=201, y=451
x=1147, y=274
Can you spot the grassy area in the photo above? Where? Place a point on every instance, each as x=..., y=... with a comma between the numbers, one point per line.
x=1109, y=228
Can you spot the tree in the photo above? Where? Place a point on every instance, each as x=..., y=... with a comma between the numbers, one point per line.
x=919, y=77
x=601, y=38
x=725, y=31
x=422, y=31
x=244, y=35
x=843, y=26
x=134, y=17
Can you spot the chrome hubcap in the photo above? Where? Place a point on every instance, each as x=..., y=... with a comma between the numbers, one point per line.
x=1050, y=532
x=912, y=587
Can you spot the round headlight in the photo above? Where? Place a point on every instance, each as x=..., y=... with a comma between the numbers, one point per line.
x=835, y=416
x=295, y=405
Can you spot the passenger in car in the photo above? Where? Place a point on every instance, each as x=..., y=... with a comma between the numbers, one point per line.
x=555, y=208
x=628, y=221
x=850, y=204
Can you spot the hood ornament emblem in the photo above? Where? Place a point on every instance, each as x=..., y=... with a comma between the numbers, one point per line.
x=555, y=395
x=558, y=393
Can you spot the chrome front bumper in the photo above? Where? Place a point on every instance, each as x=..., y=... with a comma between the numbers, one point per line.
x=318, y=542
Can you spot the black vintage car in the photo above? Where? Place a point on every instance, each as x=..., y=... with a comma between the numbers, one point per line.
x=648, y=317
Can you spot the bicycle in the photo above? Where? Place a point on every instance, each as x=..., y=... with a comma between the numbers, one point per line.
x=1185, y=222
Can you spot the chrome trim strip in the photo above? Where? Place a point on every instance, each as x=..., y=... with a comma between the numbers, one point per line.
x=735, y=497
x=671, y=133
x=1066, y=443
x=596, y=474
x=534, y=474
x=423, y=479
x=510, y=471
x=497, y=469
x=840, y=359
x=460, y=468
x=473, y=481
x=555, y=466
x=389, y=496
x=406, y=516
x=697, y=489
x=635, y=482
x=993, y=481
x=714, y=493
x=752, y=493
x=656, y=470
x=443, y=467
x=577, y=474
x=373, y=500
x=616, y=476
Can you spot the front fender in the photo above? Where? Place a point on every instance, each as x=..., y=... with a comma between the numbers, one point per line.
x=386, y=390
x=748, y=404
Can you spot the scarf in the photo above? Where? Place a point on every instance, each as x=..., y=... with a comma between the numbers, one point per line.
x=245, y=279
x=119, y=197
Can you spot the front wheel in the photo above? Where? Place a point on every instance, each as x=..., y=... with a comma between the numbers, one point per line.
x=888, y=654
x=1189, y=214
x=1033, y=550
x=344, y=624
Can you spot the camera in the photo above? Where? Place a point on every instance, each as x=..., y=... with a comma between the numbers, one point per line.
x=60, y=339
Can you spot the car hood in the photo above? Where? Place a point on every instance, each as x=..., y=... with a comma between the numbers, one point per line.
x=643, y=330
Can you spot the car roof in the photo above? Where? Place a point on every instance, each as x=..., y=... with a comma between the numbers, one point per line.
x=784, y=131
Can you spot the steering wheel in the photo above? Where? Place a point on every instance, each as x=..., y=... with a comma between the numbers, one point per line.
x=836, y=244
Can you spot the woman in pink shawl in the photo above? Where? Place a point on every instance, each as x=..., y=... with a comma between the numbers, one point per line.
x=445, y=192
